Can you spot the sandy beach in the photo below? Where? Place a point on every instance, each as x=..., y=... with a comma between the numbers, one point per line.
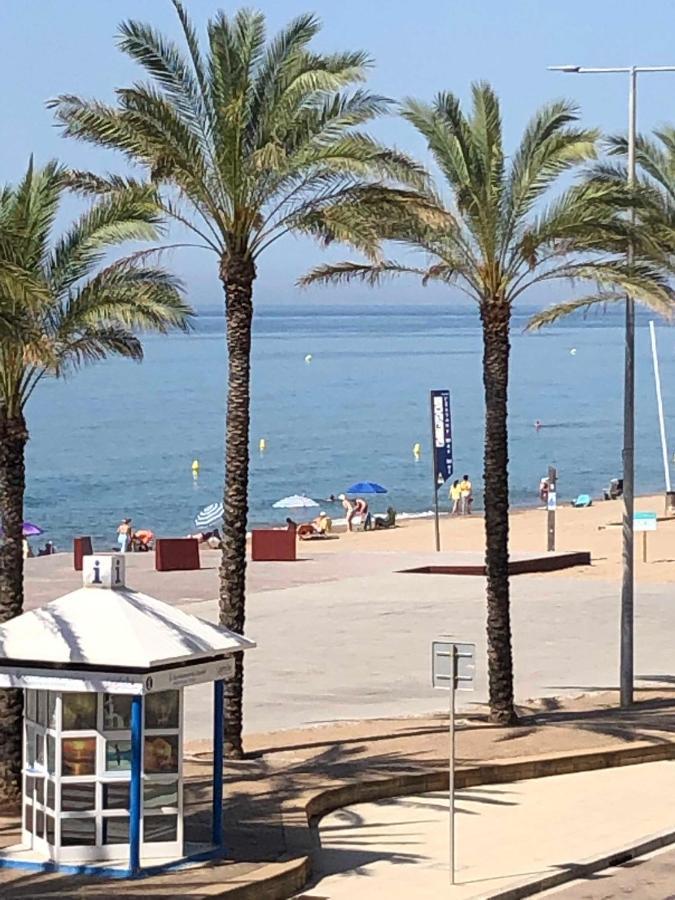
x=596, y=529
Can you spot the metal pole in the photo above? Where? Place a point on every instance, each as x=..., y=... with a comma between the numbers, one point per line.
x=218, y=737
x=552, y=489
x=135, y=785
x=437, y=523
x=628, y=575
x=659, y=404
x=451, y=768
x=644, y=546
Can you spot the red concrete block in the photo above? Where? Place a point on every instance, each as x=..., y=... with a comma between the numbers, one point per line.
x=81, y=548
x=273, y=544
x=176, y=554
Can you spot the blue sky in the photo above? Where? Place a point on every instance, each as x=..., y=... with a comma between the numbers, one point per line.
x=419, y=48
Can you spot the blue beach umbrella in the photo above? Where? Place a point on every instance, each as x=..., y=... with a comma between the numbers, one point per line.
x=366, y=487
x=210, y=515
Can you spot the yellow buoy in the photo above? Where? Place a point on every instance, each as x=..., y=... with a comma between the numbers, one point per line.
x=262, y=445
x=417, y=449
x=195, y=466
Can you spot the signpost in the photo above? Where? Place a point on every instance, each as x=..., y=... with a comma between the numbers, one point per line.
x=441, y=441
x=452, y=669
x=551, y=504
x=644, y=522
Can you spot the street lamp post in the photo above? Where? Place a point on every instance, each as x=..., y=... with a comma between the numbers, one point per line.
x=628, y=455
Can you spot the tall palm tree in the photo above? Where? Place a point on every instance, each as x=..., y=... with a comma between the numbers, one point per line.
x=493, y=240
x=61, y=306
x=249, y=140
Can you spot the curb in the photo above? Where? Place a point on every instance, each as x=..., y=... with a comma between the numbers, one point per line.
x=276, y=885
x=588, y=867
x=524, y=768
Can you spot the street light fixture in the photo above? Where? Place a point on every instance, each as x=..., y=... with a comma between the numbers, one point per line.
x=628, y=455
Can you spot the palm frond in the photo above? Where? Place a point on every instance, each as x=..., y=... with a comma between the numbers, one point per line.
x=366, y=273
x=125, y=215
x=561, y=310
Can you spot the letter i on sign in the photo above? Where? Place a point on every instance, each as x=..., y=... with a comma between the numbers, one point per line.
x=97, y=573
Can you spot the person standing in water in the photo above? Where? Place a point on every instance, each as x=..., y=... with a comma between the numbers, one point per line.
x=455, y=496
x=124, y=534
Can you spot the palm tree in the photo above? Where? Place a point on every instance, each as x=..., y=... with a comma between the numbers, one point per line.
x=61, y=306
x=494, y=241
x=249, y=140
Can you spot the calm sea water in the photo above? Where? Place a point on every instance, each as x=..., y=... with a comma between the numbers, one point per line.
x=118, y=439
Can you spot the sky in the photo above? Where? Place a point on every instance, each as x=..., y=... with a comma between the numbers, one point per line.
x=419, y=48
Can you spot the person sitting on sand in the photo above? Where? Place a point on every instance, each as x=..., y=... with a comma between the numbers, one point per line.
x=323, y=523
x=213, y=539
x=142, y=540
x=388, y=521
x=204, y=537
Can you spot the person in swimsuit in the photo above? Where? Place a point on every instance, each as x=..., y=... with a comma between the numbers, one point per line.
x=361, y=509
x=350, y=509
x=124, y=535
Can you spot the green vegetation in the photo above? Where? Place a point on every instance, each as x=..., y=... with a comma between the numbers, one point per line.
x=62, y=305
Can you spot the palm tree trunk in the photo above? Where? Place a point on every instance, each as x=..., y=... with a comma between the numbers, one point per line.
x=237, y=275
x=495, y=316
x=13, y=438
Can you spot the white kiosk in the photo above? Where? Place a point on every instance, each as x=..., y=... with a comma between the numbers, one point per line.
x=103, y=670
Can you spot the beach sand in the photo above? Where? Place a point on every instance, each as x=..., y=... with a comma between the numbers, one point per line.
x=596, y=529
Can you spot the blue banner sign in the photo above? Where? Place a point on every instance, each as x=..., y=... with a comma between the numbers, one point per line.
x=441, y=430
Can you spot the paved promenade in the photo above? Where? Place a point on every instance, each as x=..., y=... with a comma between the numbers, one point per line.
x=507, y=834
x=346, y=636
x=291, y=776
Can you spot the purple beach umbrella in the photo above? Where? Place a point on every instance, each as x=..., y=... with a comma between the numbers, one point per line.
x=30, y=530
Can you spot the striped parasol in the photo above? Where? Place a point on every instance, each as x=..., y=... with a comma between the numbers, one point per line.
x=210, y=515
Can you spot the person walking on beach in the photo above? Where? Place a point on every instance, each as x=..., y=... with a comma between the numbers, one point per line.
x=124, y=534
x=455, y=496
x=465, y=495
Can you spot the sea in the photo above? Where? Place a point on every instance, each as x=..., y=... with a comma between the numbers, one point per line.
x=340, y=393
